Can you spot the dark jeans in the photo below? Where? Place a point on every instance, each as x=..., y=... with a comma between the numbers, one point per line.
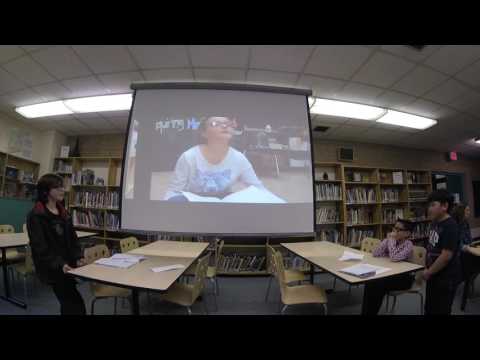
x=439, y=296
x=377, y=289
x=71, y=302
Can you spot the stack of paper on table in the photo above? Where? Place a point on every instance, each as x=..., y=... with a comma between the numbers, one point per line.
x=167, y=268
x=123, y=261
x=349, y=255
x=364, y=270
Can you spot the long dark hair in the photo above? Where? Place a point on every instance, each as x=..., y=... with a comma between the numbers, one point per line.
x=46, y=183
x=458, y=213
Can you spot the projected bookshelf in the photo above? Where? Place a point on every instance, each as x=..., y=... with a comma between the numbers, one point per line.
x=354, y=202
x=93, y=192
x=18, y=177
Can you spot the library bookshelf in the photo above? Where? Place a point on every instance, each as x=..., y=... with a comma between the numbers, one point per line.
x=354, y=202
x=18, y=177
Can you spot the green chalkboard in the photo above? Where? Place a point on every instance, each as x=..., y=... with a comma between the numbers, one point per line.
x=14, y=212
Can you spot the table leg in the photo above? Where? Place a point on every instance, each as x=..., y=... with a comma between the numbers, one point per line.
x=312, y=273
x=135, y=304
x=466, y=289
x=364, y=303
x=6, y=283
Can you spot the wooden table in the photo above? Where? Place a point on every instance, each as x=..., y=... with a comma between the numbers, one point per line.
x=325, y=255
x=15, y=240
x=140, y=276
x=471, y=267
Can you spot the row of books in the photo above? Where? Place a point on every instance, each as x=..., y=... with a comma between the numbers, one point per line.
x=355, y=236
x=239, y=263
x=112, y=221
x=327, y=215
x=98, y=199
x=390, y=195
x=391, y=215
x=95, y=219
x=295, y=262
x=361, y=195
x=417, y=195
x=359, y=216
x=416, y=178
x=332, y=235
x=328, y=192
x=64, y=167
x=421, y=230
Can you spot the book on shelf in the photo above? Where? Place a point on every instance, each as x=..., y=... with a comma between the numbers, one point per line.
x=90, y=199
x=355, y=236
x=361, y=195
x=359, y=216
x=397, y=177
x=416, y=178
x=63, y=167
x=241, y=263
x=390, y=195
x=417, y=195
x=88, y=218
x=327, y=215
x=421, y=230
x=391, y=215
x=328, y=192
x=112, y=221
x=331, y=235
x=295, y=262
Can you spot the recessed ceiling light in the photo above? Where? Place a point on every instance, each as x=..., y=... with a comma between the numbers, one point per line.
x=100, y=103
x=477, y=140
x=407, y=120
x=45, y=109
x=346, y=109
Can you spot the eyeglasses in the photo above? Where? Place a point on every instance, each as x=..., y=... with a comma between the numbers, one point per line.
x=396, y=228
x=223, y=124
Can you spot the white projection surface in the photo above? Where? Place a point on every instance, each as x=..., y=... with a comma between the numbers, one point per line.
x=206, y=161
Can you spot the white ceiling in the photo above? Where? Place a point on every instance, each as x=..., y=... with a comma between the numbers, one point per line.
x=441, y=81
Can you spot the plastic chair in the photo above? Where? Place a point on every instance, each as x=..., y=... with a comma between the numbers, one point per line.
x=298, y=294
x=25, y=270
x=102, y=291
x=186, y=294
x=419, y=255
x=13, y=255
x=128, y=244
x=291, y=275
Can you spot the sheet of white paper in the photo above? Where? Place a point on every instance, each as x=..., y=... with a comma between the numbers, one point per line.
x=361, y=269
x=349, y=255
x=115, y=263
x=197, y=198
x=254, y=195
x=167, y=268
x=128, y=257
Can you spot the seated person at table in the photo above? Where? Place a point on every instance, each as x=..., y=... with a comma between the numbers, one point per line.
x=212, y=168
x=398, y=247
x=461, y=213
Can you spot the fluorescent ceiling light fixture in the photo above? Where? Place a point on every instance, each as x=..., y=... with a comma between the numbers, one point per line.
x=45, y=109
x=407, y=120
x=477, y=140
x=100, y=103
x=346, y=109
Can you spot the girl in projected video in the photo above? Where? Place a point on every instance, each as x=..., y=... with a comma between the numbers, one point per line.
x=212, y=168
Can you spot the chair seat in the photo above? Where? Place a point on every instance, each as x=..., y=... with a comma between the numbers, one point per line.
x=292, y=275
x=13, y=256
x=180, y=294
x=211, y=272
x=102, y=290
x=304, y=294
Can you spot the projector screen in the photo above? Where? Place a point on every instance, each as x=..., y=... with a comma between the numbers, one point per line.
x=231, y=161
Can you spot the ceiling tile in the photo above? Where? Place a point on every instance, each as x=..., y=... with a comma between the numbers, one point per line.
x=9, y=82
x=359, y=93
x=452, y=58
x=159, y=56
x=330, y=120
x=223, y=56
x=321, y=87
x=120, y=123
x=422, y=108
x=290, y=58
x=29, y=71
x=219, y=75
x=471, y=75
x=271, y=77
x=338, y=61
x=53, y=91
x=466, y=101
x=350, y=130
x=106, y=58
x=23, y=97
x=115, y=114
x=120, y=82
x=383, y=70
x=9, y=52
x=97, y=123
x=169, y=75
x=410, y=53
x=88, y=86
x=419, y=81
x=360, y=123
x=446, y=92
x=393, y=99
x=62, y=62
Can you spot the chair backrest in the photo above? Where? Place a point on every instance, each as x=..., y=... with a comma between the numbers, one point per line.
x=29, y=265
x=95, y=252
x=24, y=228
x=6, y=229
x=200, y=275
x=128, y=244
x=369, y=244
x=418, y=257
x=218, y=252
x=270, y=259
x=279, y=269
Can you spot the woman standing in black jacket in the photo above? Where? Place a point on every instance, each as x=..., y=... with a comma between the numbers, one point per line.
x=54, y=243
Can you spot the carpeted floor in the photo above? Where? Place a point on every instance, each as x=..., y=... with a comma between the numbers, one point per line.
x=237, y=296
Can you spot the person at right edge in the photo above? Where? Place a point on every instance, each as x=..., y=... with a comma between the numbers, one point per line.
x=443, y=269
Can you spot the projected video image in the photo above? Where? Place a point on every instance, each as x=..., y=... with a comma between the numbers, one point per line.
x=227, y=160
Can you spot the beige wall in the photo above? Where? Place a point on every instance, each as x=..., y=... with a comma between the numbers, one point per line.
x=389, y=156
x=52, y=141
